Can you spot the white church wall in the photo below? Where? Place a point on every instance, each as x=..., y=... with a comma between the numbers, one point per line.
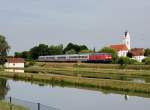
x=122, y=53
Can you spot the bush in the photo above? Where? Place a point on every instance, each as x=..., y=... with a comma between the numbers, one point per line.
x=2, y=60
x=123, y=61
x=133, y=61
x=146, y=61
x=31, y=63
x=72, y=51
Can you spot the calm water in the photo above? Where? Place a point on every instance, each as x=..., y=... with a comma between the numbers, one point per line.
x=66, y=98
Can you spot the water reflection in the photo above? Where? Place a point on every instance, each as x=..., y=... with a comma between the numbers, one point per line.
x=73, y=97
x=139, y=80
x=15, y=70
x=4, y=88
x=126, y=97
x=62, y=84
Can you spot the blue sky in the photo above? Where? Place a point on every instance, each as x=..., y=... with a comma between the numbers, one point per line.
x=96, y=23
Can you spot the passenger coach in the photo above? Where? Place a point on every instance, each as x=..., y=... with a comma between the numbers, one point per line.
x=94, y=57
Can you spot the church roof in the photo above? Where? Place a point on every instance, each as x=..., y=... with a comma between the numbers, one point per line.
x=119, y=47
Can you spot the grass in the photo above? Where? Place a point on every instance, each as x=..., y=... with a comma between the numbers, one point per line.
x=92, y=65
x=97, y=76
x=7, y=106
x=100, y=73
x=117, y=85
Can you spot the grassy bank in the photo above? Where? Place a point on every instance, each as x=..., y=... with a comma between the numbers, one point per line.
x=83, y=82
x=7, y=106
x=92, y=65
x=100, y=73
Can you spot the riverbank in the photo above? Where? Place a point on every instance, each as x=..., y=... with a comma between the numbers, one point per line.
x=97, y=76
x=7, y=106
x=92, y=65
x=97, y=73
x=108, y=84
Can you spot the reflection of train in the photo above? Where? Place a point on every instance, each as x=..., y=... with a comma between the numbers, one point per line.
x=95, y=57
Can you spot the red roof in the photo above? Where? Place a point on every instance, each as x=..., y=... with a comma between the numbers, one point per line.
x=119, y=47
x=137, y=52
x=15, y=60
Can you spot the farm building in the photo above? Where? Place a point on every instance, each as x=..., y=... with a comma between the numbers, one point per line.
x=16, y=63
x=137, y=54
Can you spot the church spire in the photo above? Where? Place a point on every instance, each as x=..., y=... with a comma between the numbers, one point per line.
x=127, y=40
x=126, y=32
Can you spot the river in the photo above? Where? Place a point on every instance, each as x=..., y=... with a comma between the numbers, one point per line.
x=71, y=98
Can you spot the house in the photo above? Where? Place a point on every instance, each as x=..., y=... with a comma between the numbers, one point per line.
x=122, y=49
x=137, y=54
x=14, y=64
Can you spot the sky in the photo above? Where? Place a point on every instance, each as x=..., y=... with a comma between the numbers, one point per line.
x=95, y=23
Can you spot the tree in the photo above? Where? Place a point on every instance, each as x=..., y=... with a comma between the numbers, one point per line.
x=133, y=61
x=129, y=54
x=147, y=52
x=123, y=61
x=4, y=48
x=40, y=50
x=18, y=55
x=56, y=50
x=68, y=47
x=25, y=54
x=2, y=60
x=72, y=51
x=75, y=47
x=86, y=51
x=112, y=51
x=3, y=88
x=146, y=61
x=83, y=47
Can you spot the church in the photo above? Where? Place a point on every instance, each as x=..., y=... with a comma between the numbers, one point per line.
x=122, y=49
x=125, y=47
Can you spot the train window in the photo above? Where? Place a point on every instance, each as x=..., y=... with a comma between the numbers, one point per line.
x=73, y=56
x=61, y=57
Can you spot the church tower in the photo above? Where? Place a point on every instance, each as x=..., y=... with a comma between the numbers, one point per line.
x=127, y=40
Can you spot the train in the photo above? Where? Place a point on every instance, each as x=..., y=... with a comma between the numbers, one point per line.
x=91, y=57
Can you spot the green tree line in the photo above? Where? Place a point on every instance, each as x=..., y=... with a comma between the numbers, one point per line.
x=71, y=48
x=43, y=49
